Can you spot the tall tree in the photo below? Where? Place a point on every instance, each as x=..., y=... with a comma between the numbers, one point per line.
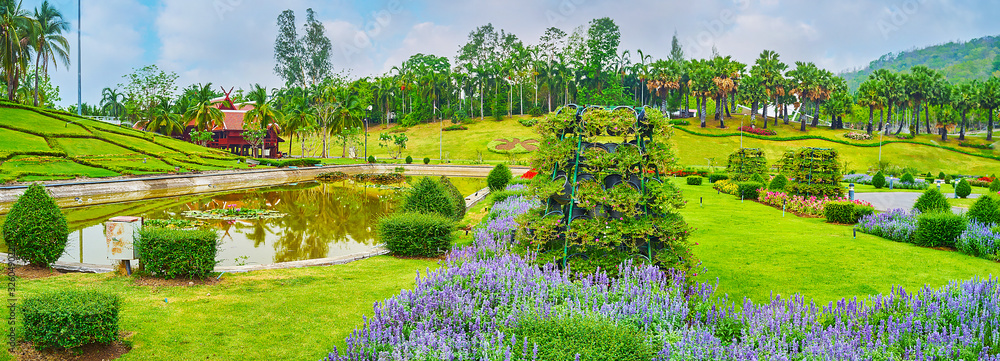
x=263, y=116
x=966, y=97
x=146, y=89
x=603, y=38
x=990, y=100
x=48, y=41
x=870, y=96
x=112, y=102
x=676, y=52
x=16, y=28
x=288, y=51
x=919, y=87
x=316, y=48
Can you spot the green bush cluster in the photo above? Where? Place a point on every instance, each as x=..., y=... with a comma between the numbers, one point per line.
x=846, y=212
x=745, y=163
x=995, y=185
x=498, y=178
x=427, y=160
x=409, y=160
x=416, y=234
x=504, y=194
x=457, y=199
x=778, y=183
x=535, y=112
x=429, y=196
x=715, y=177
x=907, y=178
x=816, y=172
x=749, y=190
x=282, y=163
x=878, y=180
x=938, y=229
x=71, y=318
x=593, y=338
x=35, y=228
x=371, y=159
x=694, y=180
x=963, y=189
x=986, y=210
x=172, y=253
x=932, y=201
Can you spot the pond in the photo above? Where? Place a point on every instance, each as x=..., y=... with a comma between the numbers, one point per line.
x=319, y=220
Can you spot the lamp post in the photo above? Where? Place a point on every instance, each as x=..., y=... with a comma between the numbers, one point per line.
x=441, y=138
x=368, y=112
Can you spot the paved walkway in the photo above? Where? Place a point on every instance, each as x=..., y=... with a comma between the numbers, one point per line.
x=904, y=200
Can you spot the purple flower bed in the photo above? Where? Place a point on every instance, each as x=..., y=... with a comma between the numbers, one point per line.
x=980, y=240
x=470, y=309
x=897, y=225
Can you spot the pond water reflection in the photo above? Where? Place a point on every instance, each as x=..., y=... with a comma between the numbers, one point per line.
x=321, y=220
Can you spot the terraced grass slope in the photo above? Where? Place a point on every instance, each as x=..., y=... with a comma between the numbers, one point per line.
x=43, y=144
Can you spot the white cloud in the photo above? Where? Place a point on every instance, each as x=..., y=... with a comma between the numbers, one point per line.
x=425, y=38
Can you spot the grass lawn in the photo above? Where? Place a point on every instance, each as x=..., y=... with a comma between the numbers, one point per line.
x=294, y=314
x=754, y=253
x=15, y=141
x=52, y=165
x=28, y=120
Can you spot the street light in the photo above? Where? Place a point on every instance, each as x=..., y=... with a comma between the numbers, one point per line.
x=368, y=112
x=441, y=139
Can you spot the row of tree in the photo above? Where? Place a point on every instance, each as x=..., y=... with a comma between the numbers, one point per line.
x=29, y=43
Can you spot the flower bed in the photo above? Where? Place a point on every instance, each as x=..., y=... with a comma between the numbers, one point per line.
x=981, y=181
x=232, y=212
x=379, y=178
x=758, y=131
x=801, y=205
x=454, y=127
x=858, y=136
x=484, y=303
x=897, y=225
x=976, y=146
x=980, y=240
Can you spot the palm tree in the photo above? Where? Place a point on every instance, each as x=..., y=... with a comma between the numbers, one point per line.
x=300, y=118
x=919, y=86
x=870, y=96
x=111, y=102
x=162, y=121
x=990, y=100
x=966, y=97
x=48, y=40
x=205, y=115
x=263, y=115
x=16, y=29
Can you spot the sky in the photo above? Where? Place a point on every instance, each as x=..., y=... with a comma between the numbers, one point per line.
x=230, y=43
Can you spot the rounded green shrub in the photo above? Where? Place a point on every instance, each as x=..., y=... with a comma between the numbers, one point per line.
x=429, y=196
x=593, y=338
x=778, y=183
x=414, y=234
x=932, y=201
x=878, y=180
x=371, y=159
x=409, y=160
x=948, y=179
x=457, y=199
x=758, y=178
x=940, y=175
x=498, y=178
x=907, y=178
x=749, y=190
x=35, y=228
x=963, y=189
x=172, y=253
x=715, y=177
x=71, y=318
x=939, y=229
x=694, y=180
x=427, y=160
x=986, y=210
x=839, y=212
x=995, y=185
x=535, y=112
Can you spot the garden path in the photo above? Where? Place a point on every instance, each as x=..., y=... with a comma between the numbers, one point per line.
x=905, y=200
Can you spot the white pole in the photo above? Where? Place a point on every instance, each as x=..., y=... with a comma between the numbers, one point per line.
x=880, y=147
x=79, y=67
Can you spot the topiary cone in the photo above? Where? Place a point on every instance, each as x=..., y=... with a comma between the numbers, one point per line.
x=35, y=229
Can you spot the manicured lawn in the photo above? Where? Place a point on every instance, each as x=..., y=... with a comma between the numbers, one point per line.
x=52, y=165
x=755, y=252
x=28, y=120
x=15, y=141
x=295, y=314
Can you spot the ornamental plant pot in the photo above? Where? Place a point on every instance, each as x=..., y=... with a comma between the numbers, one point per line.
x=612, y=180
x=553, y=207
x=579, y=213
x=634, y=181
x=610, y=130
x=598, y=212
x=583, y=177
x=610, y=147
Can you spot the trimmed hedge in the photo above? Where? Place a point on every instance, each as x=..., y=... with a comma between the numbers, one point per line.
x=995, y=185
x=878, y=180
x=409, y=160
x=778, y=183
x=172, y=253
x=748, y=190
x=932, y=201
x=416, y=234
x=71, y=318
x=986, y=210
x=35, y=227
x=907, y=178
x=498, y=178
x=429, y=196
x=939, y=229
x=694, y=180
x=715, y=177
x=846, y=212
x=963, y=189
x=581, y=337
x=281, y=163
x=457, y=199
x=427, y=160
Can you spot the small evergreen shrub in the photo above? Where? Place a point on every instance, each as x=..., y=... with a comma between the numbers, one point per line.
x=907, y=178
x=941, y=175
x=715, y=177
x=504, y=194
x=840, y=212
x=535, y=112
x=986, y=210
x=414, y=234
x=427, y=160
x=878, y=180
x=35, y=227
x=778, y=183
x=71, y=318
x=948, y=179
x=172, y=253
x=371, y=159
x=758, y=178
x=498, y=178
x=932, y=201
x=528, y=122
x=963, y=189
x=939, y=229
x=861, y=211
x=429, y=196
x=694, y=180
x=748, y=190
x=593, y=338
x=409, y=160
x=995, y=185
x=457, y=199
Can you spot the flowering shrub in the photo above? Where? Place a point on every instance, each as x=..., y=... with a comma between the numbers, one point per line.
x=976, y=146
x=858, y=136
x=897, y=225
x=485, y=303
x=981, y=181
x=726, y=186
x=758, y=131
x=802, y=205
x=980, y=240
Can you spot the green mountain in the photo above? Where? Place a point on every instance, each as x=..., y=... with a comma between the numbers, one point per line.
x=43, y=144
x=959, y=61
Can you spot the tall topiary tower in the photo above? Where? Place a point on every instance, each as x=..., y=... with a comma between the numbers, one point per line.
x=745, y=163
x=816, y=172
x=35, y=229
